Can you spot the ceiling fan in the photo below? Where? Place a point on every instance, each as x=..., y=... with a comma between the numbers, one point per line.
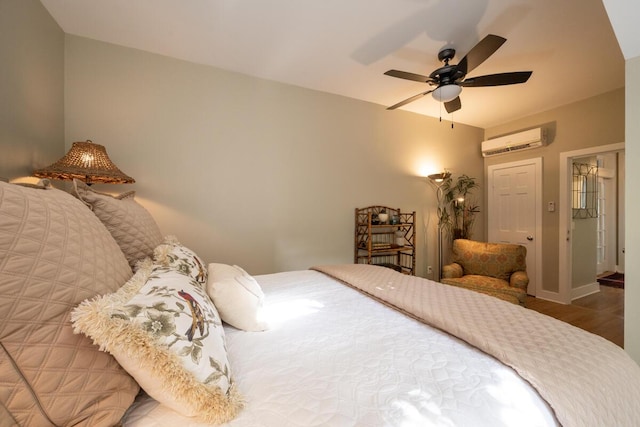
x=450, y=79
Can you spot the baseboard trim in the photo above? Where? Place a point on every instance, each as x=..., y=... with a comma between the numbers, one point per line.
x=584, y=290
x=550, y=296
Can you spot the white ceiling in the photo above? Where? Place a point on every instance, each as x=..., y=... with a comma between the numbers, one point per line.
x=624, y=15
x=345, y=46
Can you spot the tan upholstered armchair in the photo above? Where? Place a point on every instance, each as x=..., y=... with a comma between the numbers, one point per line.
x=496, y=269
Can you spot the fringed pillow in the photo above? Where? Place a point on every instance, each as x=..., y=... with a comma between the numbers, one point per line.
x=164, y=330
x=180, y=258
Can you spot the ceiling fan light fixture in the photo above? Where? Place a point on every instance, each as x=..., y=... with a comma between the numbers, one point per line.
x=446, y=93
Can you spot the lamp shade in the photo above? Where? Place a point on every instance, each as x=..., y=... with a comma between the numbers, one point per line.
x=446, y=93
x=87, y=162
x=439, y=177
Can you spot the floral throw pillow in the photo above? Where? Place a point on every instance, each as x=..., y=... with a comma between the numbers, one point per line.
x=164, y=330
x=182, y=259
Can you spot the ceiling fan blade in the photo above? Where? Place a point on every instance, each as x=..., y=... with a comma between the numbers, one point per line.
x=409, y=76
x=480, y=52
x=408, y=100
x=453, y=105
x=497, y=79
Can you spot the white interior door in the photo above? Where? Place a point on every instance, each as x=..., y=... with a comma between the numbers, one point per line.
x=515, y=211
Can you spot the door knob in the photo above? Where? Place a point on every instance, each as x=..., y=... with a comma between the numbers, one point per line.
x=530, y=238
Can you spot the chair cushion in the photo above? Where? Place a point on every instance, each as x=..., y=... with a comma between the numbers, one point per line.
x=490, y=286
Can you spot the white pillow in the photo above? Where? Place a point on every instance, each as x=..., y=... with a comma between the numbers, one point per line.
x=237, y=296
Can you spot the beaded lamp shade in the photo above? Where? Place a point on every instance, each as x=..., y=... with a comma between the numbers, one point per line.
x=87, y=162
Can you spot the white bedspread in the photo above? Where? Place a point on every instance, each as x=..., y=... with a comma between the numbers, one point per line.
x=587, y=380
x=334, y=357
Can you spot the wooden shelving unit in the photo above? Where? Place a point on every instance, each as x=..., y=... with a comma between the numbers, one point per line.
x=390, y=243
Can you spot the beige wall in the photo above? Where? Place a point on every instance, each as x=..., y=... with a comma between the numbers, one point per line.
x=599, y=120
x=253, y=172
x=632, y=198
x=584, y=252
x=31, y=88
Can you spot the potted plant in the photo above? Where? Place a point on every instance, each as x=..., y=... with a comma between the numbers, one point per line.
x=383, y=216
x=457, y=214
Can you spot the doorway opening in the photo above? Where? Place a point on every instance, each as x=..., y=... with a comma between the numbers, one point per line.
x=591, y=233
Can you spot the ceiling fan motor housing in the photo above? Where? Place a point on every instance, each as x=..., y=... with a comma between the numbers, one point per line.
x=446, y=54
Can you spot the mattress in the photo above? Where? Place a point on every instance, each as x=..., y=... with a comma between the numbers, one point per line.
x=335, y=357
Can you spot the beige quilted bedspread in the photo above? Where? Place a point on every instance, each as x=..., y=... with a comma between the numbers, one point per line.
x=587, y=380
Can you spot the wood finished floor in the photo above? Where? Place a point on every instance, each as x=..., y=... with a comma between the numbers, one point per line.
x=601, y=313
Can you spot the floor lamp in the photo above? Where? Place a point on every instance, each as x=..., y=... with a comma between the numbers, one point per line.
x=437, y=179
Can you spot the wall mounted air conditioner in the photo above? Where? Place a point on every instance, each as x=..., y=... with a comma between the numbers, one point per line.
x=525, y=140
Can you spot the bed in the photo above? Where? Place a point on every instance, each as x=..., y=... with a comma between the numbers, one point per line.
x=334, y=357
x=339, y=345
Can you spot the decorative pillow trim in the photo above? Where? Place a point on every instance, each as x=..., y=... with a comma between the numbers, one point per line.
x=131, y=194
x=91, y=318
x=161, y=252
x=171, y=240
